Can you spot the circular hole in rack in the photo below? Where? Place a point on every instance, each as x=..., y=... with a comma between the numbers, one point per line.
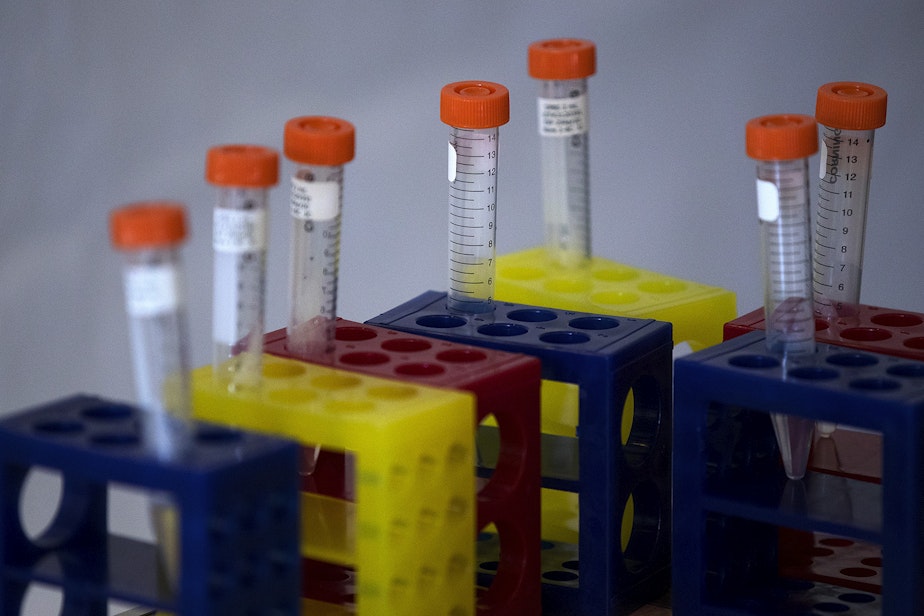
x=852, y=360
x=907, y=370
x=897, y=319
x=560, y=576
x=217, y=435
x=40, y=500
x=59, y=426
x=116, y=439
x=595, y=323
x=532, y=315
x=813, y=373
x=354, y=333
x=461, y=356
x=564, y=337
x=440, y=321
x=420, y=369
x=856, y=597
x=916, y=343
x=865, y=334
x=502, y=329
x=640, y=420
x=754, y=361
x=875, y=384
x=406, y=345
x=107, y=412
x=642, y=541
x=364, y=358
x=859, y=572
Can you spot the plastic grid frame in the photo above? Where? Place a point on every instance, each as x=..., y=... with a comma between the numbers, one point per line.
x=410, y=533
x=506, y=387
x=236, y=493
x=864, y=328
x=732, y=498
x=867, y=328
x=697, y=311
x=607, y=358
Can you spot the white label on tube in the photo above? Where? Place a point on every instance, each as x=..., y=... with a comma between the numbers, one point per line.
x=238, y=230
x=315, y=200
x=451, y=157
x=768, y=201
x=562, y=117
x=823, y=161
x=151, y=290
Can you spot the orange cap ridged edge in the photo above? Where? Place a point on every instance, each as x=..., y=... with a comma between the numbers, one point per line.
x=148, y=224
x=851, y=105
x=247, y=166
x=785, y=136
x=474, y=104
x=562, y=58
x=319, y=140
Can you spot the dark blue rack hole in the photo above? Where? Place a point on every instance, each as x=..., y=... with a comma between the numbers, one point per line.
x=646, y=537
x=564, y=337
x=856, y=597
x=754, y=361
x=490, y=565
x=217, y=435
x=440, y=321
x=59, y=426
x=560, y=576
x=573, y=565
x=502, y=330
x=594, y=323
x=641, y=417
x=115, y=439
x=831, y=608
x=875, y=384
x=109, y=412
x=813, y=373
x=532, y=315
x=907, y=370
x=852, y=360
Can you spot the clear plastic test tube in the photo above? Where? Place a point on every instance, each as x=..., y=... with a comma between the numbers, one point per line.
x=848, y=112
x=474, y=110
x=782, y=145
x=243, y=175
x=149, y=235
x=320, y=146
x=563, y=66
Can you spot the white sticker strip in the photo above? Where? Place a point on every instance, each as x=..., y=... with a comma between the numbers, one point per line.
x=562, y=117
x=315, y=200
x=151, y=290
x=451, y=157
x=823, y=161
x=238, y=230
x=768, y=201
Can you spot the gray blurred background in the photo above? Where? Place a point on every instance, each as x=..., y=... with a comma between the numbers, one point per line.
x=108, y=102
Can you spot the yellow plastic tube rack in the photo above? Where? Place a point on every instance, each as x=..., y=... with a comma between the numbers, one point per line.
x=410, y=532
x=697, y=311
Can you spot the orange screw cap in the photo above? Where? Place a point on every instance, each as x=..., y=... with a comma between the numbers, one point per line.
x=474, y=104
x=781, y=137
x=851, y=105
x=246, y=166
x=319, y=140
x=148, y=224
x=562, y=58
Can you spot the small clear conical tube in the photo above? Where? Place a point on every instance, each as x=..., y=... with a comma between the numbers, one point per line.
x=149, y=236
x=474, y=110
x=781, y=145
x=243, y=175
x=562, y=67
